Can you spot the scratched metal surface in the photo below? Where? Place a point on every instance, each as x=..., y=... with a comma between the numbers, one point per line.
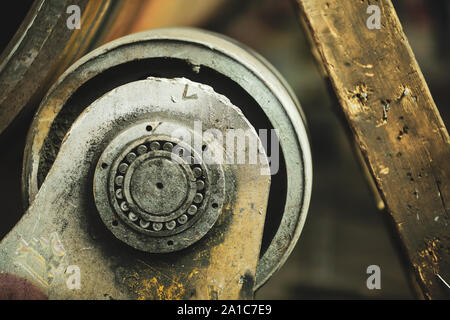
x=62, y=228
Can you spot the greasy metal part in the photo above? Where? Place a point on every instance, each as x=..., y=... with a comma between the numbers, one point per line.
x=202, y=50
x=61, y=229
x=156, y=193
x=43, y=47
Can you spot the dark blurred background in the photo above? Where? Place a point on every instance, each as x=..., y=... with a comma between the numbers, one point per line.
x=344, y=231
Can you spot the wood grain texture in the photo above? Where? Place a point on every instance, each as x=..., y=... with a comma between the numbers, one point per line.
x=395, y=122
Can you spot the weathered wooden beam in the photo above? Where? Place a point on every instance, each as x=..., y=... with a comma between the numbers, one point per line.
x=395, y=122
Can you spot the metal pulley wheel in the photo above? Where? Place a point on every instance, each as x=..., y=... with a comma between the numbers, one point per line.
x=169, y=80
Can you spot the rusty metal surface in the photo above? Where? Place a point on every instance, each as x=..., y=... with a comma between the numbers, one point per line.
x=62, y=226
x=42, y=49
x=201, y=50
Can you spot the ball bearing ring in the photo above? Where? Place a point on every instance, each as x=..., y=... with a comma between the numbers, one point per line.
x=151, y=189
x=180, y=182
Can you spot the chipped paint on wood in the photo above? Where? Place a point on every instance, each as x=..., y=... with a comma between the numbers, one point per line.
x=394, y=121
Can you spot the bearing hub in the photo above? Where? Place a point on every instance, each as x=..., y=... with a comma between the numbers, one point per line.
x=152, y=188
x=155, y=189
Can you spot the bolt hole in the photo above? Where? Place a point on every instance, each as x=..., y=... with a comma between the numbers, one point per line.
x=149, y=128
x=215, y=205
x=104, y=165
x=170, y=243
x=115, y=223
x=159, y=185
x=204, y=147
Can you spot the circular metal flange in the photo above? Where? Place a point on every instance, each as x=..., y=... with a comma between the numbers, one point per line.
x=154, y=192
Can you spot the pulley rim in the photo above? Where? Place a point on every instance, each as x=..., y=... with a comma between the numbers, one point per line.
x=246, y=68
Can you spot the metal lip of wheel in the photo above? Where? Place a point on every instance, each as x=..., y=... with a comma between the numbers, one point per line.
x=241, y=65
